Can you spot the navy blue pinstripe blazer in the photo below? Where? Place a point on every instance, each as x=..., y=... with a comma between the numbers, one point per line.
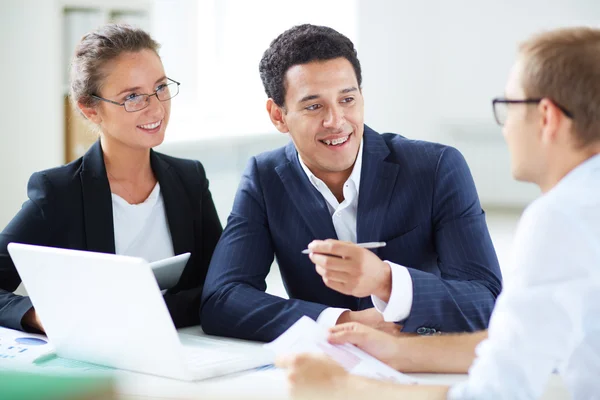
x=419, y=197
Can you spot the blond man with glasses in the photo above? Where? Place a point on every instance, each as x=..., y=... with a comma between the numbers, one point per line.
x=547, y=318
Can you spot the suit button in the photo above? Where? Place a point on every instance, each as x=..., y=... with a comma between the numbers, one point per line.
x=422, y=331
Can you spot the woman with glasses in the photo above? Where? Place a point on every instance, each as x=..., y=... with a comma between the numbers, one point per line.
x=121, y=197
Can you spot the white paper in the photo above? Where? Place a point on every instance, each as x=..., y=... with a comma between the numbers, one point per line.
x=21, y=351
x=21, y=347
x=306, y=336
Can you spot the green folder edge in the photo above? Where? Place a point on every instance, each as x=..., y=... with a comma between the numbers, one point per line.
x=29, y=386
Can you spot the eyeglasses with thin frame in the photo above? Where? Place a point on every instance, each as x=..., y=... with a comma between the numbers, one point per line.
x=500, y=106
x=138, y=102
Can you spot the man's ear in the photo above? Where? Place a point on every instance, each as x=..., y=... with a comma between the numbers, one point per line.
x=277, y=115
x=552, y=119
x=90, y=113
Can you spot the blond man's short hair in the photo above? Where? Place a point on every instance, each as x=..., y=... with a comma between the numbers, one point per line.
x=563, y=65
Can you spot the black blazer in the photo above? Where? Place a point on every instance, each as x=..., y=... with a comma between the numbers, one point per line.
x=71, y=207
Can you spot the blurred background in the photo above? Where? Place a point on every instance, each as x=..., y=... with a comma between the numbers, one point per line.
x=430, y=70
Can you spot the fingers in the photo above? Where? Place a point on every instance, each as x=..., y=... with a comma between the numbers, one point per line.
x=285, y=361
x=304, y=365
x=345, y=270
x=335, y=276
x=338, y=287
x=333, y=247
x=353, y=332
x=332, y=263
x=339, y=281
x=311, y=374
x=295, y=364
x=348, y=326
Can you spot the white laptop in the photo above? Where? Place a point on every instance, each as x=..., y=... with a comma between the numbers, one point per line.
x=108, y=310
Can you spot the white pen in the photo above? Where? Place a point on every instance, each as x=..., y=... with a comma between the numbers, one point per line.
x=367, y=245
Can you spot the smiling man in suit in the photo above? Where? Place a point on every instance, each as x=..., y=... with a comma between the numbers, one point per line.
x=338, y=183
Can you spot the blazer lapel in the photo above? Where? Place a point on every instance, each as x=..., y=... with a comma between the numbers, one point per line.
x=377, y=182
x=97, y=202
x=177, y=205
x=306, y=198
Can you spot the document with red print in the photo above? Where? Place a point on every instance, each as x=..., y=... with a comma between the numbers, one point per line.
x=306, y=336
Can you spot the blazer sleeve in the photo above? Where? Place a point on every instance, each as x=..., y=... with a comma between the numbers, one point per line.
x=234, y=301
x=33, y=225
x=462, y=297
x=184, y=305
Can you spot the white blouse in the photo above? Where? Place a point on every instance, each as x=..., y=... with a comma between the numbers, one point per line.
x=142, y=230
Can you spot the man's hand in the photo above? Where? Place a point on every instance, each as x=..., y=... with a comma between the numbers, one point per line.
x=31, y=320
x=370, y=317
x=317, y=377
x=381, y=345
x=452, y=354
x=350, y=269
x=314, y=375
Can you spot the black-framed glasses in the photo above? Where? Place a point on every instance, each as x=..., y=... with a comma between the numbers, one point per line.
x=164, y=92
x=500, y=106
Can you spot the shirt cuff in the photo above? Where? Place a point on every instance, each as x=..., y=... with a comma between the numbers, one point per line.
x=401, y=297
x=329, y=316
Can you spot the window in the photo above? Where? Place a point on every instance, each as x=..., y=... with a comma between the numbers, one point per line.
x=221, y=92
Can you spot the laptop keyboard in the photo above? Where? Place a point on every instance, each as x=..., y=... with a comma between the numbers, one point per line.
x=207, y=357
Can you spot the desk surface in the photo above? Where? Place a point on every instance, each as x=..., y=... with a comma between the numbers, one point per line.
x=264, y=384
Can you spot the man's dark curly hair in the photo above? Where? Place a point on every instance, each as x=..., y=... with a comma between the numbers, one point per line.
x=301, y=45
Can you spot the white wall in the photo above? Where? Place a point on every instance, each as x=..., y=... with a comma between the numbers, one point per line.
x=432, y=67
x=430, y=70
x=225, y=42
x=31, y=137
x=224, y=161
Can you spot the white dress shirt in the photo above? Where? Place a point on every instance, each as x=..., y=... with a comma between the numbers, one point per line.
x=141, y=230
x=344, y=222
x=548, y=315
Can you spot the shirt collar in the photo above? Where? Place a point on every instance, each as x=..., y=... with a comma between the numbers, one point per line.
x=582, y=169
x=354, y=175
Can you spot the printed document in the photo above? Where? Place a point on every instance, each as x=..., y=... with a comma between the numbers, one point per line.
x=306, y=336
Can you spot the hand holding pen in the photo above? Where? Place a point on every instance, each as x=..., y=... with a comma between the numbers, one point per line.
x=367, y=245
x=350, y=268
